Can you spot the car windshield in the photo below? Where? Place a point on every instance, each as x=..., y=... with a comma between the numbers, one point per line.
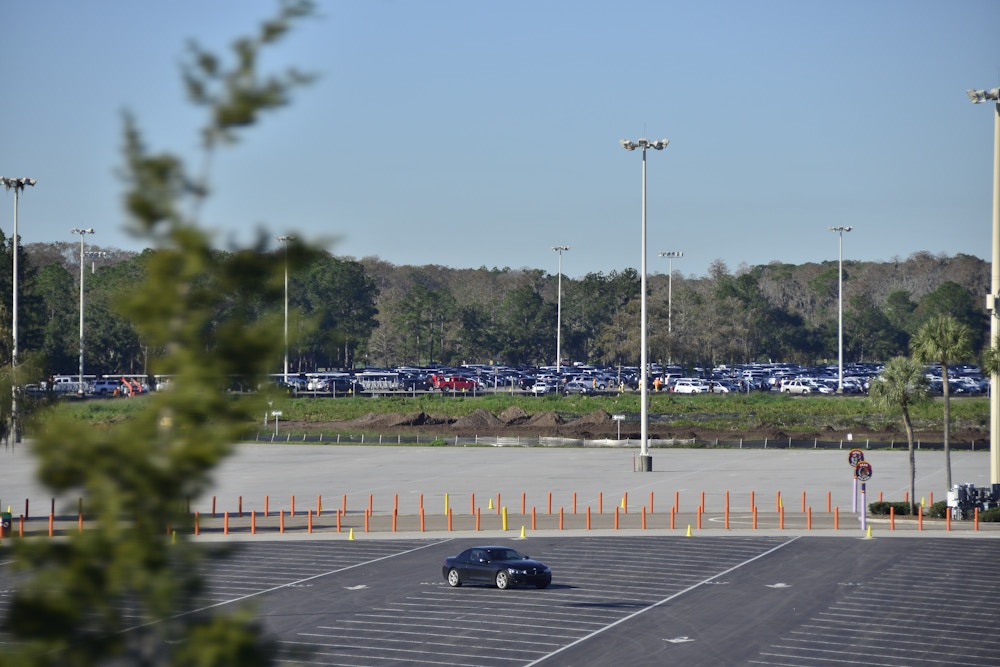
x=504, y=554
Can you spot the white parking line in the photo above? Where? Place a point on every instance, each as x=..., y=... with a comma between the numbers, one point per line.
x=661, y=602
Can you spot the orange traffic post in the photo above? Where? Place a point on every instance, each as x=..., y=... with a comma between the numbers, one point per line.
x=550, y=503
x=395, y=514
x=947, y=520
x=828, y=501
x=253, y=522
x=561, y=525
x=803, y=502
x=309, y=522
x=80, y=522
x=267, y=500
x=777, y=501
x=450, y=515
x=752, y=503
x=478, y=519
x=343, y=505
x=677, y=501
x=588, y=517
x=421, y=519
x=370, y=503
x=421, y=505
x=498, y=503
x=472, y=504
x=574, y=502
x=930, y=498
x=319, y=505
x=836, y=518
x=700, y=511
x=533, y=518
x=650, y=502
x=727, y=504
x=52, y=520
x=755, y=517
x=20, y=527
x=673, y=517
x=293, y=507
x=524, y=499
x=727, y=515
x=892, y=518
x=809, y=518
x=239, y=506
x=702, y=503
x=225, y=523
x=338, y=518
x=781, y=518
x=600, y=502
x=197, y=521
x=368, y=516
x=395, y=502
x=975, y=519
x=880, y=496
x=625, y=502
x=213, y=507
x=616, y=516
x=281, y=521
x=920, y=518
x=644, y=517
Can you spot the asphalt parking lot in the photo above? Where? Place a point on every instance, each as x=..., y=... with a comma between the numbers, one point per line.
x=719, y=597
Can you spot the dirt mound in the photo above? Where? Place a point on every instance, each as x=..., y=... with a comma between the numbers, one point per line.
x=595, y=418
x=513, y=415
x=480, y=419
x=544, y=420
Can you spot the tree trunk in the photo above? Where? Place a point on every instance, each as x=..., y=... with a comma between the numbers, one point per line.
x=914, y=507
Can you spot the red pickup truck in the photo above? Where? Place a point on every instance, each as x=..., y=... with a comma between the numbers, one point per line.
x=452, y=382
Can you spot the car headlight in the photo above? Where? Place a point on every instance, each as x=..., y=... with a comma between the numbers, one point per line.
x=514, y=570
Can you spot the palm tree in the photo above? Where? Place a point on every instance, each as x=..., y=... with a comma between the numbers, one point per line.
x=902, y=385
x=943, y=340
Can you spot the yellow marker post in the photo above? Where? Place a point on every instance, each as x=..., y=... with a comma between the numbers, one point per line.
x=446, y=504
x=504, y=519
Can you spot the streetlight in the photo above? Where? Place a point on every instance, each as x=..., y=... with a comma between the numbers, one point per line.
x=83, y=235
x=671, y=256
x=645, y=460
x=18, y=185
x=840, y=309
x=285, y=240
x=978, y=96
x=559, y=249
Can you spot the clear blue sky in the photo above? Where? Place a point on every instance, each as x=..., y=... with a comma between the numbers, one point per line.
x=473, y=134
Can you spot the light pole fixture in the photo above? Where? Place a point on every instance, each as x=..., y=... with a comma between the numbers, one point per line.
x=16, y=184
x=840, y=308
x=559, y=249
x=993, y=299
x=284, y=240
x=83, y=235
x=645, y=460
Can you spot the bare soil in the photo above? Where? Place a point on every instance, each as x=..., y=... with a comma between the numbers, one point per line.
x=595, y=426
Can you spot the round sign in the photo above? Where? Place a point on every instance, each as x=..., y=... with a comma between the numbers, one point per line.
x=855, y=457
x=863, y=471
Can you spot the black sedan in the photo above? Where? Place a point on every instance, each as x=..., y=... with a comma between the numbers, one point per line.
x=500, y=566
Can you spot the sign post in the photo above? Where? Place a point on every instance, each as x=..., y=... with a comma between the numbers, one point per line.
x=619, y=419
x=863, y=472
x=854, y=457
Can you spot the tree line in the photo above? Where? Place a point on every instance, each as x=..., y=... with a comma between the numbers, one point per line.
x=346, y=312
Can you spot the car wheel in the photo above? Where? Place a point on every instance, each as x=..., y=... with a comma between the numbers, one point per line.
x=503, y=580
x=453, y=579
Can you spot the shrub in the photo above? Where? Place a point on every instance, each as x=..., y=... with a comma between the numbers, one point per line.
x=883, y=508
x=938, y=510
x=991, y=515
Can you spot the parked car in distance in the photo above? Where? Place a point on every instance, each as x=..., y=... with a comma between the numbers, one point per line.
x=105, y=387
x=690, y=386
x=502, y=567
x=453, y=383
x=578, y=387
x=544, y=387
x=796, y=387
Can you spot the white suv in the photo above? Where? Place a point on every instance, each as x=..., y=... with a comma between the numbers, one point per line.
x=796, y=387
x=690, y=386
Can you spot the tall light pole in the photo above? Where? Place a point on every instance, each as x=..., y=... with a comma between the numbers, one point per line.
x=83, y=235
x=671, y=256
x=840, y=308
x=993, y=300
x=17, y=184
x=559, y=249
x=284, y=240
x=645, y=460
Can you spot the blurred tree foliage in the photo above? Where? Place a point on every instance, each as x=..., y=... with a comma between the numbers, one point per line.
x=123, y=592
